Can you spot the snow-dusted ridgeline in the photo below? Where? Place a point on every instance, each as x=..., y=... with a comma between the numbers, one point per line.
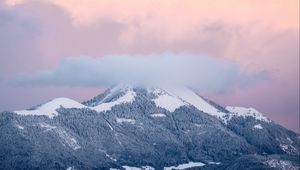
x=167, y=98
x=49, y=108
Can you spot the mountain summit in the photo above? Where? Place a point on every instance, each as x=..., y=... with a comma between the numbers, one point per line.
x=129, y=127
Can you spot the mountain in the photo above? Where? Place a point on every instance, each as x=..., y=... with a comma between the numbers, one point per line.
x=132, y=127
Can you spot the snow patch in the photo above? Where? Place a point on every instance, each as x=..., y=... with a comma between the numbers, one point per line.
x=70, y=168
x=19, y=127
x=185, y=166
x=199, y=125
x=47, y=127
x=280, y=164
x=68, y=139
x=49, y=108
x=214, y=163
x=111, y=128
x=124, y=120
x=167, y=101
x=147, y=168
x=288, y=147
x=128, y=97
x=158, y=115
x=108, y=156
x=246, y=112
x=258, y=126
x=289, y=140
x=136, y=168
x=284, y=147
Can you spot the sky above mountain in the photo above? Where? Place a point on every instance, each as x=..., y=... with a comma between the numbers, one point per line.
x=235, y=52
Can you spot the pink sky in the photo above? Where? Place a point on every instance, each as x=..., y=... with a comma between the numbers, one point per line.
x=255, y=34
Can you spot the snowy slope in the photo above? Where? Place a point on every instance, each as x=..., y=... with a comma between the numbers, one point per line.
x=194, y=99
x=127, y=98
x=246, y=112
x=166, y=100
x=49, y=108
x=173, y=98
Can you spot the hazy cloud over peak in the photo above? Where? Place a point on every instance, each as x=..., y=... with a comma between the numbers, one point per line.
x=201, y=72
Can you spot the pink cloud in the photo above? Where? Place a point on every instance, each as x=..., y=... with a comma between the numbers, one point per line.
x=257, y=35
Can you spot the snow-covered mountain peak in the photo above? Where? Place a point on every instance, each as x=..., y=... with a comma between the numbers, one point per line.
x=49, y=108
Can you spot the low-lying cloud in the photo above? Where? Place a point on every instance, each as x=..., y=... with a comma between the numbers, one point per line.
x=201, y=72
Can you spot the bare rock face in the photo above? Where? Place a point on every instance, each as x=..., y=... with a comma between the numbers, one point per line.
x=144, y=128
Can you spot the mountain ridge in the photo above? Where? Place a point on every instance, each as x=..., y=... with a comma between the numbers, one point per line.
x=136, y=127
x=161, y=93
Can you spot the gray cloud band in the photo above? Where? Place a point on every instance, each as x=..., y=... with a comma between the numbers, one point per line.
x=200, y=72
